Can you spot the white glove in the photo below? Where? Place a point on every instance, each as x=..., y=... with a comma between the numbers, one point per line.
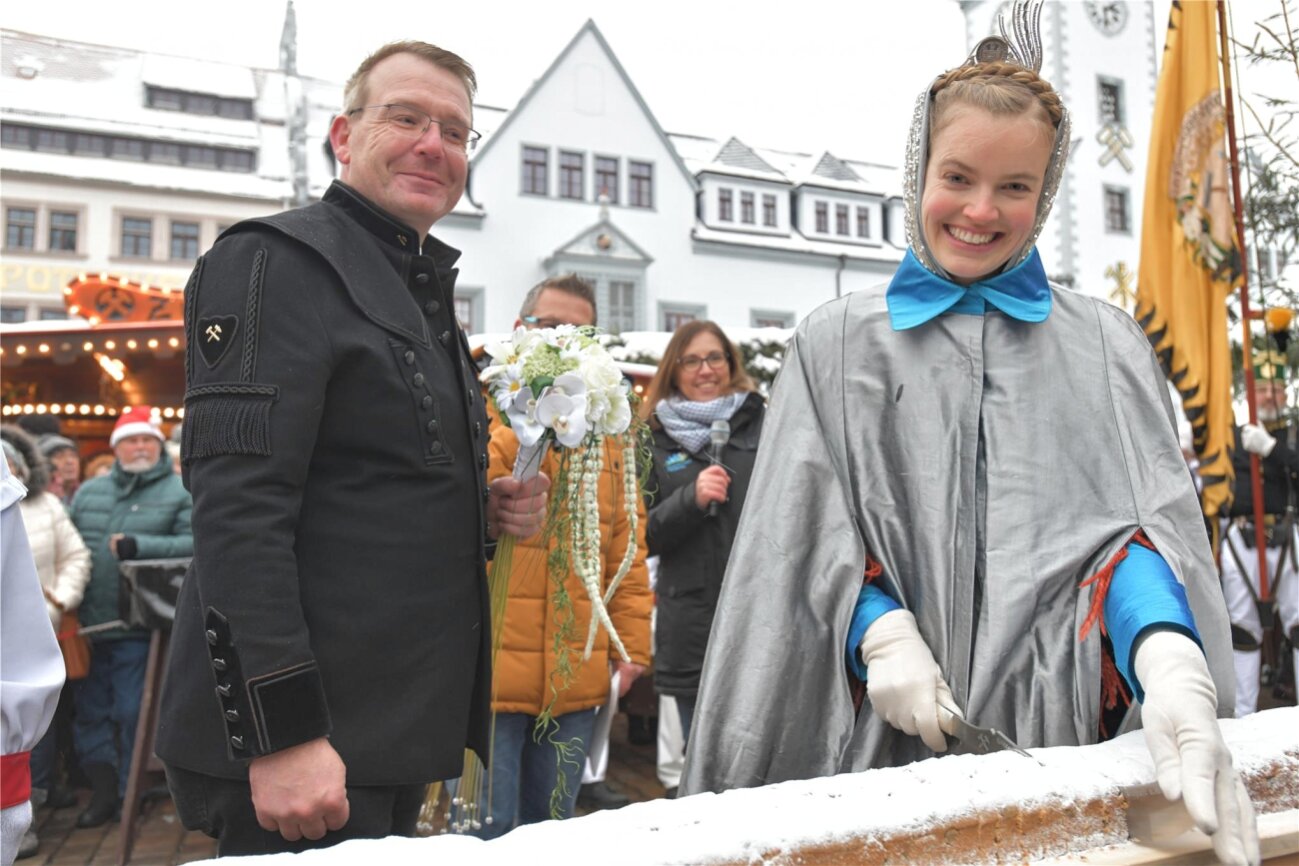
x=903, y=682
x=1191, y=760
x=1256, y=440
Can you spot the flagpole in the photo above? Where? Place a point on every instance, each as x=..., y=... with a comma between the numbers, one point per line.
x=1256, y=481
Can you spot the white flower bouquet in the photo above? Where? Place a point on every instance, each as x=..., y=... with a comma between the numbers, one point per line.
x=559, y=384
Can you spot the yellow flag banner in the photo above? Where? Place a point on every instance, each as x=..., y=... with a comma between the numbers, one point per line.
x=1189, y=258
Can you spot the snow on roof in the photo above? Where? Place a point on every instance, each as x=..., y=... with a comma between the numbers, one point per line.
x=198, y=76
x=798, y=243
x=149, y=175
x=100, y=89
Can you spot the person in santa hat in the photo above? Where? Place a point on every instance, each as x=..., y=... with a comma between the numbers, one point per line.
x=139, y=510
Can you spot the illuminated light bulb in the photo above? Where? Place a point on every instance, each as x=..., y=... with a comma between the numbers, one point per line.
x=153, y=344
x=110, y=345
x=173, y=342
x=87, y=346
x=180, y=413
x=70, y=408
x=84, y=408
x=43, y=347
x=73, y=310
x=99, y=410
x=22, y=350
x=169, y=412
x=40, y=408
x=131, y=344
x=55, y=408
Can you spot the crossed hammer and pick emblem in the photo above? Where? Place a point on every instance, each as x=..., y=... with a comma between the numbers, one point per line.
x=219, y=334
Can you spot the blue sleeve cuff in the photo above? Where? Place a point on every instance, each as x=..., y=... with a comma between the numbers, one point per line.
x=872, y=603
x=1143, y=596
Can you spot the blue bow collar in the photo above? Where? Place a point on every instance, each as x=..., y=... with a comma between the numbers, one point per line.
x=916, y=294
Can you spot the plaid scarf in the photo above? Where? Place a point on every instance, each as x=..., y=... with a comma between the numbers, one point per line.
x=689, y=422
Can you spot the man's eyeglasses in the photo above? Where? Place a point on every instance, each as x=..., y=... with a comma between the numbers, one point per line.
x=413, y=123
x=690, y=363
x=534, y=322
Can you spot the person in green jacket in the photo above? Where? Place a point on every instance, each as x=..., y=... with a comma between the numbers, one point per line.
x=139, y=510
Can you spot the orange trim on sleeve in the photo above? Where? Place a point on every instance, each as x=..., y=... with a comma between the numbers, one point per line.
x=1102, y=579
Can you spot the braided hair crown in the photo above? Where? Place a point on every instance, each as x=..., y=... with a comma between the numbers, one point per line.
x=999, y=87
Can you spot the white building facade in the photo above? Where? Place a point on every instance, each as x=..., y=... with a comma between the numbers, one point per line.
x=131, y=163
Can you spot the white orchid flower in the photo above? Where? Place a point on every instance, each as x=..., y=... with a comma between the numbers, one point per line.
x=564, y=414
x=522, y=414
x=569, y=384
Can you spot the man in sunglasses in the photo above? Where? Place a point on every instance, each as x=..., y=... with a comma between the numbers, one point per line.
x=330, y=655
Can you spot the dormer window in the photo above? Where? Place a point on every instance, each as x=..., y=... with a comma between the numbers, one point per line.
x=769, y=210
x=725, y=206
x=167, y=99
x=746, y=208
x=823, y=218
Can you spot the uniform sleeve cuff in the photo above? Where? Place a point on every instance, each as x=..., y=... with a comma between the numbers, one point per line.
x=1144, y=596
x=872, y=603
x=289, y=708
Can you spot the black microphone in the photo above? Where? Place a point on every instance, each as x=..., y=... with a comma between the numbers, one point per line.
x=718, y=435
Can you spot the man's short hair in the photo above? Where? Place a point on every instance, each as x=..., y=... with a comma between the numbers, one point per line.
x=570, y=284
x=355, y=95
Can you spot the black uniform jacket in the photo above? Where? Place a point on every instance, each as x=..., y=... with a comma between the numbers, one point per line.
x=1280, y=471
x=335, y=444
x=692, y=547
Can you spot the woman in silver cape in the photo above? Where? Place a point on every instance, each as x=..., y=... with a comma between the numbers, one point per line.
x=990, y=466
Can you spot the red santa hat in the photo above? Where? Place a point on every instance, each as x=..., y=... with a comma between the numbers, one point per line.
x=141, y=420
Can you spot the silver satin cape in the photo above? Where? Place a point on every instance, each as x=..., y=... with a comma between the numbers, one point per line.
x=990, y=466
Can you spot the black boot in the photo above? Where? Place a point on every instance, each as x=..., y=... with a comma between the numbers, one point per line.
x=103, y=799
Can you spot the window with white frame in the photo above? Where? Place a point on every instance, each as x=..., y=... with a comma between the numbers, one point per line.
x=619, y=313
x=823, y=217
x=536, y=164
x=725, y=212
x=20, y=228
x=606, y=178
x=468, y=308
x=137, y=237
x=769, y=210
x=673, y=316
x=184, y=240
x=640, y=184
x=63, y=231
x=841, y=219
x=1118, y=218
x=1109, y=95
x=746, y=208
x=863, y=222
x=771, y=319
x=571, y=168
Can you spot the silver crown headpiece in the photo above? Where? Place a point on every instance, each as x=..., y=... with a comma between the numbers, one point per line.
x=1023, y=48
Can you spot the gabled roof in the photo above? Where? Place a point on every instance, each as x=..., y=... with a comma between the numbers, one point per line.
x=833, y=168
x=737, y=154
x=603, y=241
x=589, y=27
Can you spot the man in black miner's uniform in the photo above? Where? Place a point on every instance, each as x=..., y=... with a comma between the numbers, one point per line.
x=331, y=648
x=1274, y=441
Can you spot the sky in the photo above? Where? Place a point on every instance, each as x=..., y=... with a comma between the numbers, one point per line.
x=806, y=75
